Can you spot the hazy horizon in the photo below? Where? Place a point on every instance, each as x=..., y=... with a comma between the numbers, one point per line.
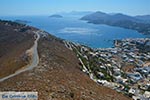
x=47, y=7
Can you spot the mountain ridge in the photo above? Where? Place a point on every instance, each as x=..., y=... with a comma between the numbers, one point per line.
x=119, y=20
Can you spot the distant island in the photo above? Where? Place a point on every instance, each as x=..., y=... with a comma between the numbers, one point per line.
x=21, y=21
x=56, y=16
x=120, y=20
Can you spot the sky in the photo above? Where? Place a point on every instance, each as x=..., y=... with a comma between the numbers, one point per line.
x=47, y=7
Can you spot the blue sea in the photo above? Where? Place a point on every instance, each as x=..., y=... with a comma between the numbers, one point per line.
x=72, y=29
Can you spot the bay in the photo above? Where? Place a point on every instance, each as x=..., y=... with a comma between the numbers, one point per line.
x=75, y=30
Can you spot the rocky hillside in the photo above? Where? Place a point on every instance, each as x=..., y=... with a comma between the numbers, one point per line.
x=57, y=76
x=15, y=39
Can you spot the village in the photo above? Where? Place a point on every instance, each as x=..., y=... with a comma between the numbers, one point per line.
x=124, y=68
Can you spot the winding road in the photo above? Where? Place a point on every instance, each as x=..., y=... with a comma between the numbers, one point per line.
x=34, y=62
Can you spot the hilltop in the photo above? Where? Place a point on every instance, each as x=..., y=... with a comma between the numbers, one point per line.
x=58, y=74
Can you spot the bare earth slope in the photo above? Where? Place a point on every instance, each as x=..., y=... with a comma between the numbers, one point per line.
x=58, y=76
x=14, y=41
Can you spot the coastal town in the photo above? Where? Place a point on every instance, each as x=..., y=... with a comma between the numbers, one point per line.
x=124, y=68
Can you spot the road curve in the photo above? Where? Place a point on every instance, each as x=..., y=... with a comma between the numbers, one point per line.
x=34, y=62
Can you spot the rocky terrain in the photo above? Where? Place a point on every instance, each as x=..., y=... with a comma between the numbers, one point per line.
x=58, y=75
